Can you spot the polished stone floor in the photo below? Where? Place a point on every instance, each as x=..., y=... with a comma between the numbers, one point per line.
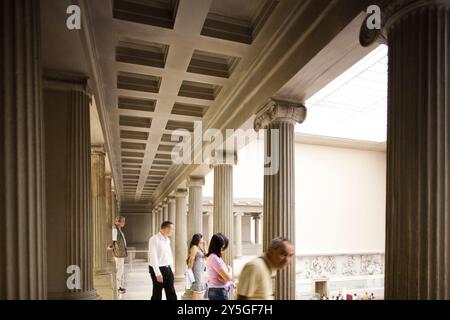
x=139, y=283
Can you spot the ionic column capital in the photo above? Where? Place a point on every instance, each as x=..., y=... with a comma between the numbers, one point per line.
x=65, y=81
x=224, y=157
x=171, y=199
x=278, y=110
x=180, y=193
x=195, y=181
x=98, y=150
x=391, y=12
x=238, y=214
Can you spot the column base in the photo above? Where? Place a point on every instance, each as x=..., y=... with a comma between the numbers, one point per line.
x=179, y=277
x=103, y=271
x=88, y=295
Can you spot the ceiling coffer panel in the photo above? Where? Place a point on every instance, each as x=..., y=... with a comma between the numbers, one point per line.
x=138, y=82
x=146, y=54
x=131, y=121
x=160, y=13
x=136, y=104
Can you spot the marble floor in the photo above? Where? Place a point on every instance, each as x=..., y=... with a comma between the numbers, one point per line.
x=139, y=283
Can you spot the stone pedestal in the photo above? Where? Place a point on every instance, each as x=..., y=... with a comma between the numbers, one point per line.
x=98, y=194
x=22, y=199
x=418, y=149
x=68, y=181
x=195, y=217
x=223, y=200
x=180, y=234
x=279, y=119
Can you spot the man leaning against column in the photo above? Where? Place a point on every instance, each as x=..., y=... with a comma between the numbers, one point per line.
x=119, y=249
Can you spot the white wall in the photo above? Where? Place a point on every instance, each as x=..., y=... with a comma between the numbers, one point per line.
x=340, y=196
x=248, y=174
x=340, y=200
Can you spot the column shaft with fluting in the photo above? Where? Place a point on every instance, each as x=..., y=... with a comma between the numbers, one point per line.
x=257, y=229
x=279, y=119
x=180, y=233
x=165, y=212
x=238, y=234
x=22, y=190
x=210, y=227
x=68, y=181
x=108, y=215
x=98, y=208
x=418, y=153
x=172, y=218
x=223, y=206
x=195, y=216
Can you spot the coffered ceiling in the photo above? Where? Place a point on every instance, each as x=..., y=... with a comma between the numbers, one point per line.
x=165, y=65
x=162, y=65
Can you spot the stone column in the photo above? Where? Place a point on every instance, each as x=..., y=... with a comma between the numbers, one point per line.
x=180, y=233
x=195, y=223
x=156, y=219
x=152, y=223
x=257, y=229
x=210, y=227
x=108, y=212
x=223, y=200
x=68, y=181
x=22, y=189
x=238, y=234
x=98, y=194
x=279, y=119
x=114, y=210
x=165, y=207
x=418, y=152
x=172, y=218
x=160, y=216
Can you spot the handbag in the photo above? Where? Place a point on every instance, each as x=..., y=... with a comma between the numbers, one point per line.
x=190, y=279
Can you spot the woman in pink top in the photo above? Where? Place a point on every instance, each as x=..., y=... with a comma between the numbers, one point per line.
x=219, y=274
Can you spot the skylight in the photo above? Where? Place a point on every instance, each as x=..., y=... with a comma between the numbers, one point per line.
x=354, y=105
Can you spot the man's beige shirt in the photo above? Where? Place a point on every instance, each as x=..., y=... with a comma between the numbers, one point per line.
x=255, y=280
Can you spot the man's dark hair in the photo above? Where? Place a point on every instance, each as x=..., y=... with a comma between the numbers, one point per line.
x=218, y=241
x=166, y=224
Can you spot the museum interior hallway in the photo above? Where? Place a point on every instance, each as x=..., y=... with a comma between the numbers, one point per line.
x=98, y=96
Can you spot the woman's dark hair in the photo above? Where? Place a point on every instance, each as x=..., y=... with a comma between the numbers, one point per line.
x=218, y=241
x=195, y=240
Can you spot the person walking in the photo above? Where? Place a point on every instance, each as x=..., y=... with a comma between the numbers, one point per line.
x=255, y=280
x=219, y=274
x=196, y=262
x=161, y=263
x=119, y=250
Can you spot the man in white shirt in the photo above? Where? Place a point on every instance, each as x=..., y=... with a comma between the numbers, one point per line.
x=160, y=261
